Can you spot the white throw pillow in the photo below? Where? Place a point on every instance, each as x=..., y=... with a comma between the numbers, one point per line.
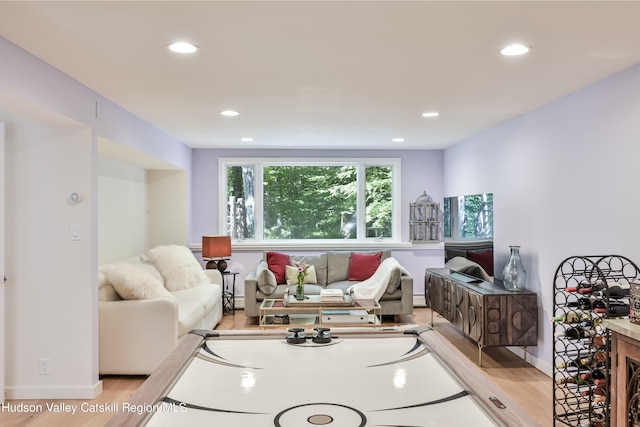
x=105, y=289
x=136, y=281
x=292, y=275
x=178, y=266
x=265, y=279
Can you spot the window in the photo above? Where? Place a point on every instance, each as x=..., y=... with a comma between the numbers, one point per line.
x=379, y=201
x=302, y=200
x=469, y=217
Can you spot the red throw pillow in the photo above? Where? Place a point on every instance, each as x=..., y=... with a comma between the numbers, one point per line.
x=362, y=266
x=484, y=258
x=277, y=263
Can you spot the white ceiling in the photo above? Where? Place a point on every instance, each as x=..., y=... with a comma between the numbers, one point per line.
x=328, y=74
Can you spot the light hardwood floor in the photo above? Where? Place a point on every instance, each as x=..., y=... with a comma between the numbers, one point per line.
x=526, y=385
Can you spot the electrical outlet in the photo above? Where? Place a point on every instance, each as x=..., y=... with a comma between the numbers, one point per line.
x=44, y=367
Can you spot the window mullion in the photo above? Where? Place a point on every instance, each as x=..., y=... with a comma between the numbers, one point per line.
x=361, y=208
x=223, y=212
x=396, y=211
x=259, y=195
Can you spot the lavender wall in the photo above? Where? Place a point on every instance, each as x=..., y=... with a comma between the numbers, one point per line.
x=420, y=171
x=564, y=182
x=35, y=98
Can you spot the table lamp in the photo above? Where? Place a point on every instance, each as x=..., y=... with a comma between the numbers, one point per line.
x=217, y=249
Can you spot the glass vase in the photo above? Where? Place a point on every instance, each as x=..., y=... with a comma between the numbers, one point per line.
x=299, y=292
x=514, y=276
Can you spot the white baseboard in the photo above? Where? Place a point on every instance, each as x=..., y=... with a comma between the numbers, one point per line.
x=539, y=364
x=27, y=393
x=418, y=301
x=239, y=303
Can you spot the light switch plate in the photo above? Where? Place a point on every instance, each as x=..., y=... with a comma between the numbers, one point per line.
x=75, y=231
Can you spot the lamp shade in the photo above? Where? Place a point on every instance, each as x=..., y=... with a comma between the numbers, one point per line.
x=216, y=246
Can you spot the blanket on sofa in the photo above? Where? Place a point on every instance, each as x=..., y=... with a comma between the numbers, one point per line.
x=375, y=286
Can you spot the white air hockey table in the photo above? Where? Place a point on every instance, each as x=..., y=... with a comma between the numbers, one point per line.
x=336, y=378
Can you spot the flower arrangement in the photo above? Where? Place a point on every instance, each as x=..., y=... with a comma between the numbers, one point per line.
x=302, y=268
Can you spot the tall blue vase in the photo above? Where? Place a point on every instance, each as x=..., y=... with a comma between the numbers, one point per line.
x=514, y=276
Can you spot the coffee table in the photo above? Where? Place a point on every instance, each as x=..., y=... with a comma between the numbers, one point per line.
x=313, y=311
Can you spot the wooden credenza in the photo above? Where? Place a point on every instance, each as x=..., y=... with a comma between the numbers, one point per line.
x=486, y=312
x=625, y=370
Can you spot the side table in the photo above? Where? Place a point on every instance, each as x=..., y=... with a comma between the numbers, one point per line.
x=229, y=294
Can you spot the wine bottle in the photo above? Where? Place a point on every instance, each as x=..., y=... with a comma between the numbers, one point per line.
x=578, y=332
x=580, y=363
x=582, y=303
x=572, y=317
x=594, y=391
x=599, y=342
x=581, y=379
x=599, y=359
x=595, y=377
x=585, y=288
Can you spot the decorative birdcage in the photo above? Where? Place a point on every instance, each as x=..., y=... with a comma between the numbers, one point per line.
x=424, y=219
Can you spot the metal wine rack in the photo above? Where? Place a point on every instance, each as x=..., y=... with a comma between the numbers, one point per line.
x=587, y=289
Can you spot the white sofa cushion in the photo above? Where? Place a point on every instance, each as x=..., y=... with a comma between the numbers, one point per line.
x=194, y=303
x=190, y=313
x=208, y=295
x=178, y=266
x=136, y=281
x=214, y=276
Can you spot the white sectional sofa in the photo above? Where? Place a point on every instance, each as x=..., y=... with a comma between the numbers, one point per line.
x=148, y=302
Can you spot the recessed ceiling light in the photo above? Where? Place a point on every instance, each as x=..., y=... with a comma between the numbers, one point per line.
x=246, y=139
x=515, y=50
x=431, y=114
x=229, y=113
x=398, y=140
x=182, y=47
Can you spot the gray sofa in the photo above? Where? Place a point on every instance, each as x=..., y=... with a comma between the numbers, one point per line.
x=332, y=272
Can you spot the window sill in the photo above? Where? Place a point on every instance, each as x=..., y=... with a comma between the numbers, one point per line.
x=325, y=245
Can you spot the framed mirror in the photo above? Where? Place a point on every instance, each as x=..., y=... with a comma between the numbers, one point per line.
x=468, y=230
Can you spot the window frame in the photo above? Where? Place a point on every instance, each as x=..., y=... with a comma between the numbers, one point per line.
x=361, y=163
